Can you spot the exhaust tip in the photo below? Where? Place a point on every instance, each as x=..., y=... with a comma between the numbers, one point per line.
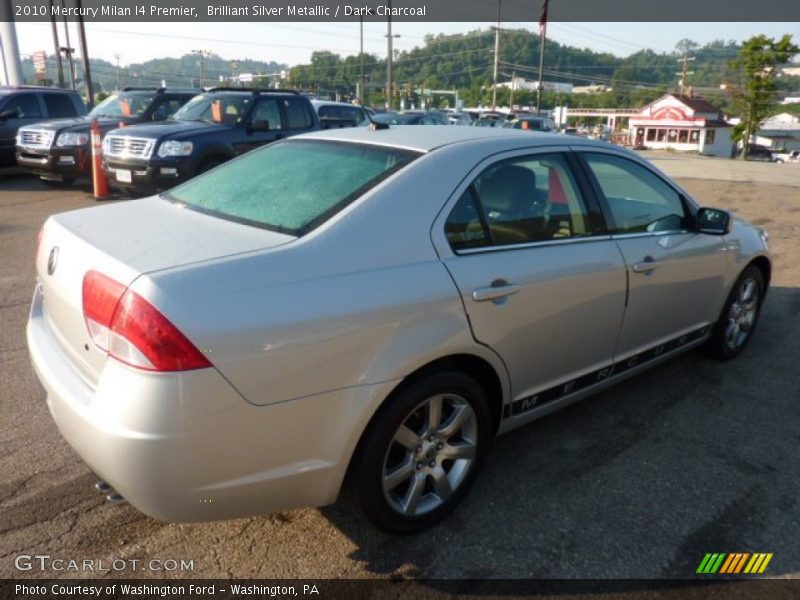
x=115, y=498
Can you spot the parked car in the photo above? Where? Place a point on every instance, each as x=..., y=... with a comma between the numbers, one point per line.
x=412, y=117
x=481, y=122
x=60, y=151
x=459, y=118
x=369, y=308
x=334, y=115
x=25, y=105
x=759, y=152
x=207, y=131
x=531, y=123
x=786, y=157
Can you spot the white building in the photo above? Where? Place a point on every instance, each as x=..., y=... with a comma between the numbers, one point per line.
x=681, y=123
x=520, y=83
x=779, y=132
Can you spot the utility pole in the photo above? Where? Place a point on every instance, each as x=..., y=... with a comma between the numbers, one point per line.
x=389, y=57
x=361, y=62
x=496, y=57
x=542, y=38
x=59, y=66
x=68, y=50
x=684, y=73
x=513, y=85
x=202, y=54
x=119, y=74
x=87, y=75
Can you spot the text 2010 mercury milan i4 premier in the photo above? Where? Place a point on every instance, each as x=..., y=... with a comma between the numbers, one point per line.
x=367, y=308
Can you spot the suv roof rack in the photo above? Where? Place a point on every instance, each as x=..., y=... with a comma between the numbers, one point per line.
x=41, y=88
x=254, y=91
x=143, y=89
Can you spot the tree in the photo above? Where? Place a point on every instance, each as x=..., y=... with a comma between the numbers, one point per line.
x=754, y=97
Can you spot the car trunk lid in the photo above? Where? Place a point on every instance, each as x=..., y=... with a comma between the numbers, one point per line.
x=124, y=241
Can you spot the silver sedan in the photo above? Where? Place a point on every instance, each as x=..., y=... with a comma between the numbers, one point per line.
x=365, y=308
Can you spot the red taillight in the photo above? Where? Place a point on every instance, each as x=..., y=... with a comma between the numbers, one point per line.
x=131, y=330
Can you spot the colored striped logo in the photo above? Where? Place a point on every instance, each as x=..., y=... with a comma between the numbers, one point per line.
x=734, y=563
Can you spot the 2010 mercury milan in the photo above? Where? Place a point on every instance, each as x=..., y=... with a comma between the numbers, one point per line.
x=369, y=307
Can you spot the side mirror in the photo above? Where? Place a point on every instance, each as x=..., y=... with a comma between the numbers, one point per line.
x=713, y=221
x=259, y=126
x=11, y=113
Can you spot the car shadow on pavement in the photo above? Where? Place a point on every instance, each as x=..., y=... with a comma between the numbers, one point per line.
x=639, y=481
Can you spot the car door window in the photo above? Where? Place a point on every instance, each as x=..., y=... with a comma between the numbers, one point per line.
x=638, y=199
x=268, y=110
x=297, y=114
x=516, y=201
x=59, y=105
x=26, y=105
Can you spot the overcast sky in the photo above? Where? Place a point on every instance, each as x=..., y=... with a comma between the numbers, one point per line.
x=293, y=43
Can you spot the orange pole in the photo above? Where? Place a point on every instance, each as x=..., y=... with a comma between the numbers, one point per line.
x=98, y=176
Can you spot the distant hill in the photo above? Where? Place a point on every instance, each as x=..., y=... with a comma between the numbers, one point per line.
x=183, y=72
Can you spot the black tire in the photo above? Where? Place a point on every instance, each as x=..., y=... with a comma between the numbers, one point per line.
x=208, y=164
x=53, y=183
x=445, y=480
x=729, y=340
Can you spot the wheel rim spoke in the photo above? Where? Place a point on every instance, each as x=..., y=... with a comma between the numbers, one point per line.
x=460, y=415
x=732, y=333
x=461, y=450
x=414, y=493
x=394, y=478
x=434, y=413
x=441, y=484
x=407, y=438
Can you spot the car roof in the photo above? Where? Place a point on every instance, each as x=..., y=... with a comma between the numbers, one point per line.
x=10, y=89
x=334, y=103
x=427, y=138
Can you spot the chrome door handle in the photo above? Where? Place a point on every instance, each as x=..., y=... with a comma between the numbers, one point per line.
x=495, y=292
x=645, y=266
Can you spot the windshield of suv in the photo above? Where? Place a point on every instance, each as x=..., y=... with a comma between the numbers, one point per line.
x=127, y=104
x=229, y=109
x=291, y=186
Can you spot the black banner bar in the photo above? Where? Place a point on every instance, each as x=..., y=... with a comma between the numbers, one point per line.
x=710, y=11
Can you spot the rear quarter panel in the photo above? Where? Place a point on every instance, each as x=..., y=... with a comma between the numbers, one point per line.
x=361, y=300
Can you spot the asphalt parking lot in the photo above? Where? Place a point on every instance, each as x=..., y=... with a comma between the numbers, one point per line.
x=641, y=481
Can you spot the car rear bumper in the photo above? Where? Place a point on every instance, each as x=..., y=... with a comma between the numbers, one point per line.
x=56, y=163
x=188, y=447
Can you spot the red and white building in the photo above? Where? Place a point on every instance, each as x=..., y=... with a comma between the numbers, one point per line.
x=682, y=123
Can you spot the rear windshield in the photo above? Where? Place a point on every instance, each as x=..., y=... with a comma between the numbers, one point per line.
x=291, y=186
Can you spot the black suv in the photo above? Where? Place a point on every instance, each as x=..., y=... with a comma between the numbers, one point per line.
x=25, y=105
x=209, y=130
x=60, y=151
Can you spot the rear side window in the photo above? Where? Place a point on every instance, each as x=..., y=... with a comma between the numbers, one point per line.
x=291, y=187
x=298, y=115
x=59, y=105
x=347, y=113
x=268, y=111
x=522, y=200
x=639, y=200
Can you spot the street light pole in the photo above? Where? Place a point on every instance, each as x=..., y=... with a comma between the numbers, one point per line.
x=361, y=63
x=59, y=66
x=203, y=54
x=496, y=57
x=87, y=75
